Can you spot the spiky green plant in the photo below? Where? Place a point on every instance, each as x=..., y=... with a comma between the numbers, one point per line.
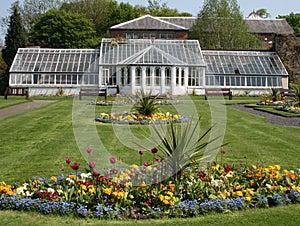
x=182, y=145
x=274, y=94
x=146, y=103
x=296, y=88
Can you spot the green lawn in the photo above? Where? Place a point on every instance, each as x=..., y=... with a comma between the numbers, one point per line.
x=37, y=142
x=276, y=216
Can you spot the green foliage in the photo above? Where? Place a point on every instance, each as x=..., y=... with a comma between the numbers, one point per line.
x=103, y=13
x=16, y=36
x=160, y=8
x=220, y=25
x=262, y=13
x=182, y=146
x=31, y=10
x=274, y=94
x=146, y=103
x=296, y=87
x=3, y=75
x=59, y=29
x=294, y=21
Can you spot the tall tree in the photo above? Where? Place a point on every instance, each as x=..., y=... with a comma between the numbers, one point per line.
x=160, y=8
x=33, y=9
x=294, y=20
x=101, y=12
x=59, y=29
x=220, y=25
x=15, y=37
x=3, y=75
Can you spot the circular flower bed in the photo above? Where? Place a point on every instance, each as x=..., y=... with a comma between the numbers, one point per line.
x=289, y=106
x=138, y=192
x=136, y=118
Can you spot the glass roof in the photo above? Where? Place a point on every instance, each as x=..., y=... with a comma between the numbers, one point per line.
x=56, y=60
x=151, y=52
x=243, y=62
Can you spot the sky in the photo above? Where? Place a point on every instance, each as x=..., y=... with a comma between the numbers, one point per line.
x=274, y=7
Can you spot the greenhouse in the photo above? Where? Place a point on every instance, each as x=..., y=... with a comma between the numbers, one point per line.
x=240, y=70
x=162, y=66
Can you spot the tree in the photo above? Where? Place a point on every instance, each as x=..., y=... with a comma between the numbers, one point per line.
x=59, y=29
x=102, y=13
x=33, y=9
x=220, y=25
x=261, y=13
x=294, y=20
x=159, y=8
x=16, y=36
x=3, y=75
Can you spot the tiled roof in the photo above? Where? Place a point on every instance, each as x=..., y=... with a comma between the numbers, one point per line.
x=260, y=26
x=148, y=22
x=275, y=26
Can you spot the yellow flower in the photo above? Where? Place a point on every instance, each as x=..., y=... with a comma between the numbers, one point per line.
x=53, y=178
x=134, y=166
x=248, y=198
x=107, y=191
x=237, y=194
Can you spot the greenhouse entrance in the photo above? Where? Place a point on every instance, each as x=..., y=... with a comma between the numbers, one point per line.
x=159, y=66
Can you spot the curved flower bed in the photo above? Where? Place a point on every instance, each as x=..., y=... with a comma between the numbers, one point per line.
x=270, y=103
x=289, y=106
x=120, y=103
x=136, y=118
x=111, y=194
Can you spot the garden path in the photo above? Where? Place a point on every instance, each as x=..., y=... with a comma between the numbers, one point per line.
x=271, y=118
x=20, y=108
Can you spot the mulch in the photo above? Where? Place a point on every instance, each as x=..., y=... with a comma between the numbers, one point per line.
x=270, y=118
x=20, y=108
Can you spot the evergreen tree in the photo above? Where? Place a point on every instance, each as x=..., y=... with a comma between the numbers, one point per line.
x=16, y=36
x=220, y=25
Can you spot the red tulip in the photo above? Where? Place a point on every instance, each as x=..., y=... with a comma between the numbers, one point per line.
x=154, y=150
x=141, y=152
x=75, y=166
x=68, y=160
x=95, y=174
x=223, y=152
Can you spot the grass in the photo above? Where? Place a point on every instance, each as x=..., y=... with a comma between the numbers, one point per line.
x=12, y=100
x=37, y=142
x=285, y=215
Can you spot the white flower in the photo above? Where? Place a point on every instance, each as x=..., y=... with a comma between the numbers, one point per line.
x=51, y=190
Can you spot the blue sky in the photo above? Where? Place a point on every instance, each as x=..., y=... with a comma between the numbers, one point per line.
x=274, y=7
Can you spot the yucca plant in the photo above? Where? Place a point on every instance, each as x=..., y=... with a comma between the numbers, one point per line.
x=146, y=103
x=274, y=94
x=296, y=88
x=181, y=145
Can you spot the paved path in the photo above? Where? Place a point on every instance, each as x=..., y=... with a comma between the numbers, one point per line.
x=19, y=108
x=271, y=118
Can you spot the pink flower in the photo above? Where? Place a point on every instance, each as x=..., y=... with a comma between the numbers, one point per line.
x=89, y=150
x=112, y=160
x=75, y=166
x=147, y=164
x=92, y=165
x=154, y=150
x=62, y=168
x=68, y=160
x=95, y=174
x=141, y=152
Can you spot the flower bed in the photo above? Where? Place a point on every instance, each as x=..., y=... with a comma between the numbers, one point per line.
x=289, y=106
x=128, y=102
x=136, y=118
x=138, y=192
